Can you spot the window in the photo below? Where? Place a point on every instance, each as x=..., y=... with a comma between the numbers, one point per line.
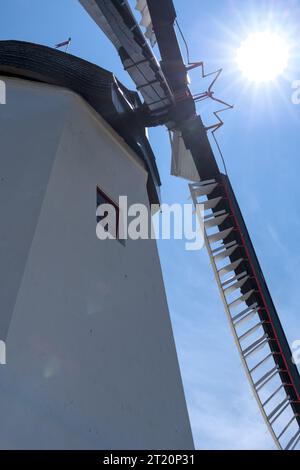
x=112, y=224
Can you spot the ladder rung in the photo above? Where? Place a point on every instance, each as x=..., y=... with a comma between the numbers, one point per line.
x=296, y=442
x=215, y=221
x=261, y=362
x=246, y=310
x=234, y=278
x=219, y=235
x=256, y=346
x=241, y=299
x=219, y=248
x=273, y=395
x=211, y=203
x=280, y=412
x=250, y=331
x=229, y=267
x=213, y=215
x=277, y=408
x=197, y=184
x=286, y=427
x=246, y=317
x=293, y=440
x=236, y=285
x=266, y=378
x=204, y=190
x=226, y=253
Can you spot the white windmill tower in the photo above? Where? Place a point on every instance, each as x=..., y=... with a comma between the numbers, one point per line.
x=90, y=355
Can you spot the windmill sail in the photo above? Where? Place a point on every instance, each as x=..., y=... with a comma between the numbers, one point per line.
x=182, y=163
x=146, y=22
x=118, y=23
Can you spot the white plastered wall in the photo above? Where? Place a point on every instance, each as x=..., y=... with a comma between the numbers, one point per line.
x=91, y=360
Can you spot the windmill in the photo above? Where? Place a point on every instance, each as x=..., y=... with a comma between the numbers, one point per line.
x=255, y=324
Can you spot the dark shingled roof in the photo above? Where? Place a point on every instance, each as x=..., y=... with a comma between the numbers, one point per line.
x=119, y=106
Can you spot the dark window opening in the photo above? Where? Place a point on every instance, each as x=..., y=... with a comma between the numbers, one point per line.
x=102, y=198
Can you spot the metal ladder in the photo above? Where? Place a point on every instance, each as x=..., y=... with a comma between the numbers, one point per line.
x=252, y=326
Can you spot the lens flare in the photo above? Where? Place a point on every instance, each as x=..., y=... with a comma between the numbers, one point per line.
x=263, y=56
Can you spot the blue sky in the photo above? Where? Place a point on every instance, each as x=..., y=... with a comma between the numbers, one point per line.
x=260, y=142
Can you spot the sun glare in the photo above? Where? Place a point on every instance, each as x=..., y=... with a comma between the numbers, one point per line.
x=263, y=56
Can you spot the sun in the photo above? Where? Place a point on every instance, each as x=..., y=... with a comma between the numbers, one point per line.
x=263, y=56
